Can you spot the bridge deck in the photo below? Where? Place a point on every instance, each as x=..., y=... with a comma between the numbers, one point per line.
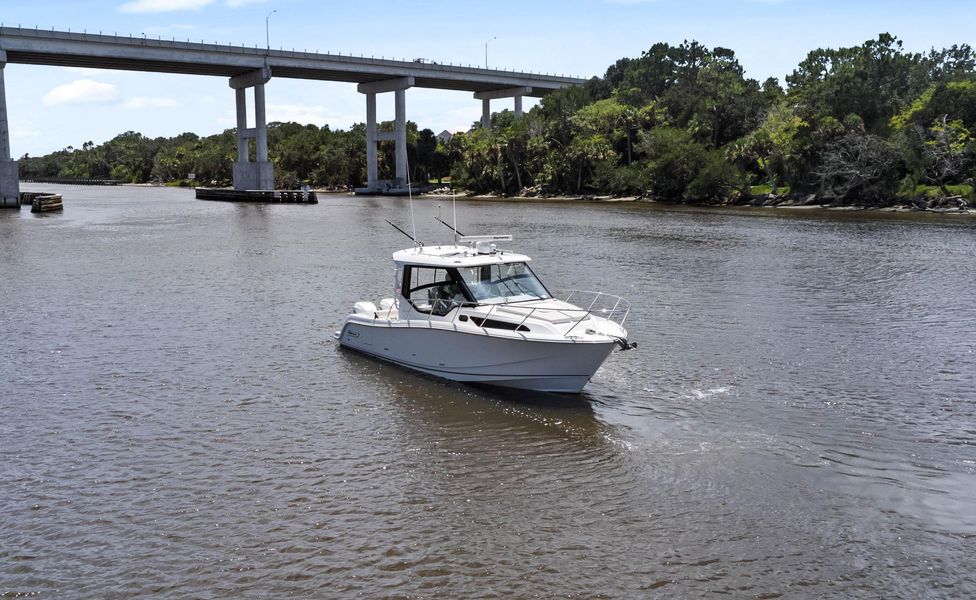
x=70, y=49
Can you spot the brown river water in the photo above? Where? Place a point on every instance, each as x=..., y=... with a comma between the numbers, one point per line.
x=176, y=421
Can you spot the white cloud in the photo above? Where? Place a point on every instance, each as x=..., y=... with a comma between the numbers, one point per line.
x=81, y=91
x=159, y=6
x=138, y=102
x=239, y=3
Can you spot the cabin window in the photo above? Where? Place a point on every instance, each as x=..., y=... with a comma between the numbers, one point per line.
x=506, y=282
x=432, y=290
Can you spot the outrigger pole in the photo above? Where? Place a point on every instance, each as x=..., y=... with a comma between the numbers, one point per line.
x=452, y=227
x=415, y=240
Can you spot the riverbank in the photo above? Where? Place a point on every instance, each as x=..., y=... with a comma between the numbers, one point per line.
x=766, y=201
x=919, y=205
x=498, y=198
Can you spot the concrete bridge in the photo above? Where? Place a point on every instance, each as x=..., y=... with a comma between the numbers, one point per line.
x=253, y=68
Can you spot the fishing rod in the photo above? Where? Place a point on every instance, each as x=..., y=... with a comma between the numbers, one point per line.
x=415, y=240
x=451, y=227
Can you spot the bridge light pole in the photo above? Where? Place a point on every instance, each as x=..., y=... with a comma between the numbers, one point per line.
x=267, y=30
x=486, y=50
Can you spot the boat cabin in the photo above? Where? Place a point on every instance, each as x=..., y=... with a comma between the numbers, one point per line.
x=435, y=280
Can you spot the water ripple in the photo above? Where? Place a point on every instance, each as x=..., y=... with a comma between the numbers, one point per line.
x=176, y=420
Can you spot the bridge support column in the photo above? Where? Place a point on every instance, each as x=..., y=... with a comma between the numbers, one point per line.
x=485, y=113
x=487, y=97
x=9, y=180
x=399, y=135
x=371, y=166
x=257, y=175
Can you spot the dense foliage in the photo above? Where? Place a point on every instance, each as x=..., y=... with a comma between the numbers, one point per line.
x=300, y=153
x=871, y=125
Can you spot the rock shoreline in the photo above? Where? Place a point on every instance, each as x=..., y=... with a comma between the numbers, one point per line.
x=810, y=202
x=951, y=205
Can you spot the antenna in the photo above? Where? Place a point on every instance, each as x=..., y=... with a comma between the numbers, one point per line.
x=454, y=208
x=413, y=222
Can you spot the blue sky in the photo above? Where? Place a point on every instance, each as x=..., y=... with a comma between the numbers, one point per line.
x=50, y=108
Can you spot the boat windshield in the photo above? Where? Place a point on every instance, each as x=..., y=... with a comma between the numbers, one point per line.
x=506, y=282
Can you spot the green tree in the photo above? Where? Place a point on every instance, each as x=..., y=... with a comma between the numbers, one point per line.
x=557, y=111
x=955, y=100
x=775, y=147
x=617, y=122
x=872, y=80
x=478, y=169
x=129, y=156
x=293, y=149
x=723, y=105
x=947, y=152
x=681, y=169
x=949, y=64
x=425, y=148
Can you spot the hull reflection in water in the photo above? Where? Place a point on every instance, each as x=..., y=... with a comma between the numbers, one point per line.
x=800, y=425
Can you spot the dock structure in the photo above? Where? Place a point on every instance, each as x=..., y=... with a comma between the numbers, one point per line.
x=71, y=180
x=252, y=68
x=266, y=196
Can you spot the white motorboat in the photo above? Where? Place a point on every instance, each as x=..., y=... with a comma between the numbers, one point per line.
x=473, y=313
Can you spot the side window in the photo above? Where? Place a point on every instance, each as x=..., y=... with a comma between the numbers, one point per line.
x=432, y=290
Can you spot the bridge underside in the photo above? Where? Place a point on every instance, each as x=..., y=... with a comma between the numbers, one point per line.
x=284, y=71
x=252, y=68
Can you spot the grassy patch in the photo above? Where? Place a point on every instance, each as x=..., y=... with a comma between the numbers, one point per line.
x=764, y=189
x=934, y=191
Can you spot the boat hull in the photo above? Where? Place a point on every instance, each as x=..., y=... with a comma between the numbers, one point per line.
x=562, y=366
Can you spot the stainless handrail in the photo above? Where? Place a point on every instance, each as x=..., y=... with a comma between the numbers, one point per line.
x=611, y=313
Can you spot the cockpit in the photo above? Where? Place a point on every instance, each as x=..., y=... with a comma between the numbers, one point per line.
x=437, y=290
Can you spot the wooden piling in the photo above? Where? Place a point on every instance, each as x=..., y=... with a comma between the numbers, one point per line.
x=43, y=202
